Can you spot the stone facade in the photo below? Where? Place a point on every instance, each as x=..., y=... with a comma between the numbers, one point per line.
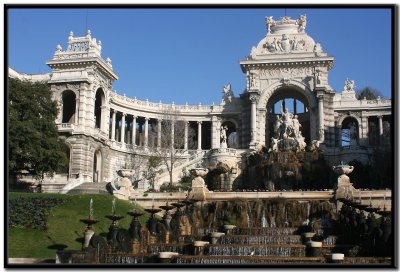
x=107, y=131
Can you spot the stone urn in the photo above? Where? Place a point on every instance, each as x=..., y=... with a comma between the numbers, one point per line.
x=199, y=172
x=344, y=187
x=229, y=228
x=314, y=249
x=343, y=169
x=308, y=236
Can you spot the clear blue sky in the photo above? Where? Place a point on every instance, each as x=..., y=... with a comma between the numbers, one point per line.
x=187, y=55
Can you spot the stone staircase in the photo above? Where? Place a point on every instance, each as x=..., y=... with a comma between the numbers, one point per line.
x=89, y=188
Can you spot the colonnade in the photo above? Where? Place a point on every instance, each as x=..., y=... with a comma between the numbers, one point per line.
x=131, y=123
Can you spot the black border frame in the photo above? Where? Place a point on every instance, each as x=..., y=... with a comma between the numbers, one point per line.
x=395, y=132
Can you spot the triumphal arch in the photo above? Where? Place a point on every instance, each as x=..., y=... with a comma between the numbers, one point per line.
x=288, y=103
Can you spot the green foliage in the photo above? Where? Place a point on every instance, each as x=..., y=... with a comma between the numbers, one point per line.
x=32, y=212
x=64, y=229
x=34, y=145
x=175, y=187
x=369, y=93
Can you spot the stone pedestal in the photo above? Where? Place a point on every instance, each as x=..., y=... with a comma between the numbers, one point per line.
x=136, y=247
x=337, y=258
x=166, y=257
x=199, y=188
x=344, y=189
x=215, y=236
x=314, y=249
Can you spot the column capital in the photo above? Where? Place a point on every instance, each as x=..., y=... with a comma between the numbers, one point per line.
x=123, y=114
x=254, y=97
x=380, y=116
x=147, y=118
x=199, y=122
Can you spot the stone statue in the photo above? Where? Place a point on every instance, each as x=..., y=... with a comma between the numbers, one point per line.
x=349, y=85
x=286, y=122
x=302, y=22
x=287, y=134
x=296, y=126
x=317, y=47
x=277, y=125
x=223, y=136
x=270, y=22
x=227, y=93
x=294, y=43
x=318, y=77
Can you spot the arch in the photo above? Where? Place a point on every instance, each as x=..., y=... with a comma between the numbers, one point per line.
x=97, y=166
x=349, y=131
x=68, y=110
x=231, y=132
x=99, y=108
x=297, y=91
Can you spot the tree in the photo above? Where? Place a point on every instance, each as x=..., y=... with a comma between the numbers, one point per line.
x=153, y=170
x=172, y=140
x=369, y=94
x=33, y=142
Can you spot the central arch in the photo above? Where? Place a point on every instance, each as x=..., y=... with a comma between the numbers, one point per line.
x=298, y=98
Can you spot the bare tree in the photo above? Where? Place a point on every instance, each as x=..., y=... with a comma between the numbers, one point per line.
x=175, y=137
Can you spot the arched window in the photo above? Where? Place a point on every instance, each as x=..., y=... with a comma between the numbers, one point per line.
x=68, y=107
x=349, y=133
x=98, y=108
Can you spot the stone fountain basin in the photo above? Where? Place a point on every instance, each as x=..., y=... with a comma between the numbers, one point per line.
x=200, y=243
x=337, y=256
x=217, y=234
x=167, y=254
x=314, y=244
x=229, y=227
x=309, y=234
x=343, y=169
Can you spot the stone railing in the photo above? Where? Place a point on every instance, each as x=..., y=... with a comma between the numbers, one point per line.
x=364, y=102
x=140, y=104
x=65, y=127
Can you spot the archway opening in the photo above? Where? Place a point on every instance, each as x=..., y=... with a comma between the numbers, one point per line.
x=97, y=161
x=231, y=134
x=69, y=107
x=296, y=103
x=349, y=132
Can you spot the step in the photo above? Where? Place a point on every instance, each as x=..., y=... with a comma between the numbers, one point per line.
x=264, y=231
x=257, y=240
x=256, y=250
x=232, y=260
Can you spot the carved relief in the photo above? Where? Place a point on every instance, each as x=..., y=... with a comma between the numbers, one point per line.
x=285, y=44
x=286, y=72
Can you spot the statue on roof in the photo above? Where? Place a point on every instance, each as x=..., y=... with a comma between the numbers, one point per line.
x=349, y=85
x=227, y=93
x=302, y=22
x=270, y=22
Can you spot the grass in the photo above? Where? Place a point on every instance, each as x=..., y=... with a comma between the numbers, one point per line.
x=65, y=231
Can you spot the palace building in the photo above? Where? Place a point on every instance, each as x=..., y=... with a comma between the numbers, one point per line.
x=287, y=71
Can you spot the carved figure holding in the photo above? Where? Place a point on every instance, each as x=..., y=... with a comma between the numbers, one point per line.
x=302, y=22
x=223, y=134
x=227, y=93
x=274, y=145
x=270, y=22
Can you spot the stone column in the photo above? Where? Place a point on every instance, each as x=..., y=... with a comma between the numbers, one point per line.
x=253, y=99
x=339, y=135
x=146, y=131
x=159, y=124
x=123, y=128
x=114, y=117
x=133, y=130
x=321, y=117
x=199, y=135
x=81, y=105
x=215, y=132
x=186, y=135
x=103, y=118
x=380, y=117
